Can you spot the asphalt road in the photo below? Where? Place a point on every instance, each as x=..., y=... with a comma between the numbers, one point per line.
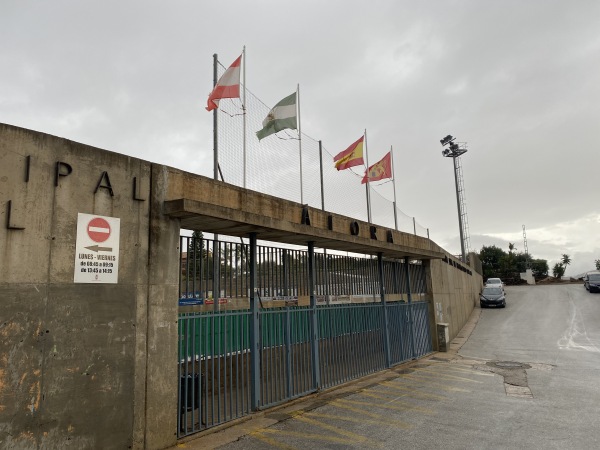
x=528, y=377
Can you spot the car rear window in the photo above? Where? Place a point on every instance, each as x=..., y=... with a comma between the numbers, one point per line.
x=492, y=291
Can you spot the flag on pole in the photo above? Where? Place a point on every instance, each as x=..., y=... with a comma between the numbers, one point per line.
x=380, y=170
x=352, y=156
x=282, y=116
x=228, y=85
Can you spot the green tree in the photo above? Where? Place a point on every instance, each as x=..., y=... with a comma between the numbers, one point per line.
x=597, y=264
x=566, y=260
x=558, y=270
x=540, y=268
x=491, y=261
x=510, y=269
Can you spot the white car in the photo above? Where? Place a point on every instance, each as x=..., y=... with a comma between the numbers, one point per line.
x=495, y=282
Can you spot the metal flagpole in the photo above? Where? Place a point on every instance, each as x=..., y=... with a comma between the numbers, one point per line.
x=244, y=111
x=321, y=167
x=394, y=184
x=368, y=190
x=215, y=122
x=215, y=288
x=325, y=271
x=299, y=140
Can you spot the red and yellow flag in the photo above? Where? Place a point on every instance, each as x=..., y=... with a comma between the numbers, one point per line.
x=380, y=170
x=352, y=156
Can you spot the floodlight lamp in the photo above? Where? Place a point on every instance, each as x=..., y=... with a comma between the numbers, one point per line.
x=447, y=139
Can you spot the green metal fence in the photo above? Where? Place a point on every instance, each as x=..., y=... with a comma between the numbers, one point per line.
x=221, y=378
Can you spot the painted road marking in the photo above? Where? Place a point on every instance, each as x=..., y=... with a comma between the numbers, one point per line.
x=395, y=401
x=260, y=435
x=428, y=382
x=371, y=405
x=471, y=371
x=426, y=372
x=353, y=437
x=375, y=416
x=412, y=392
x=575, y=337
x=310, y=436
x=354, y=419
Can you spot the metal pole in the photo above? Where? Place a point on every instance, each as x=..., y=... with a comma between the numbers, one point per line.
x=321, y=167
x=367, y=184
x=216, y=272
x=216, y=169
x=460, y=225
x=299, y=141
x=410, y=311
x=215, y=123
x=386, y=331
x=244, y=112
x=314, y=323
x=254, y=331
x=394, y=184
x=325, y=274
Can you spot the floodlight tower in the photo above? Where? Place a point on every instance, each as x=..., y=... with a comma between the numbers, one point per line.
x=527, y=261
x=454, y=151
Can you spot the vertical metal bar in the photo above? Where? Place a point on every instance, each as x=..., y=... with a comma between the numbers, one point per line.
x=362, y=311
x=180, y=400
x=194, y=374
x=216, y=270
x=287, y=344
x=314, y=330
x=228, y=363
x=245, y=354
x=410, y=309
x=218, y=337
x=267, y=349
x=181, y=241
x=352, y=333
x=206, y=355
x=235, y=333
x=254, y=330
x=386, y=335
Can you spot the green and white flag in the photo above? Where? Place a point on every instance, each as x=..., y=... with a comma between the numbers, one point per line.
x=282, y=116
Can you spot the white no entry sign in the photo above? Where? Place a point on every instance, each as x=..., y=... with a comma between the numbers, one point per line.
x=97, y=249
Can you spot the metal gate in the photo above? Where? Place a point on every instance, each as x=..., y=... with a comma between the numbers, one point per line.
x=346, y=332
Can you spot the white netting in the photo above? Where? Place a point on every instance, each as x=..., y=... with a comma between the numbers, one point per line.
x=273, y=167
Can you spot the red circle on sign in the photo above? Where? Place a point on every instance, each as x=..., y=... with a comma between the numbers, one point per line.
x=98, y=229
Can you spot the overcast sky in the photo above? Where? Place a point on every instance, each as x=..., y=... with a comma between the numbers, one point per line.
x=518, y=81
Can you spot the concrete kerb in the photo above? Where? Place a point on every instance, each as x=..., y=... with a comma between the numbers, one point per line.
x=234, y=430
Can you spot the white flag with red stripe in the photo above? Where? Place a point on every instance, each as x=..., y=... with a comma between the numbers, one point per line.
x=228, y=85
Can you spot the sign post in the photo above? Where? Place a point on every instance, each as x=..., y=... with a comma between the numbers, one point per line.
x=97, y=249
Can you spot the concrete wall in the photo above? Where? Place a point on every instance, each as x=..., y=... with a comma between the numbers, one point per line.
x=76, y=359
x=453, y=294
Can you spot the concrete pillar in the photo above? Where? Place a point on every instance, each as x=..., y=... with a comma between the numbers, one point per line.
x=162, y=315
